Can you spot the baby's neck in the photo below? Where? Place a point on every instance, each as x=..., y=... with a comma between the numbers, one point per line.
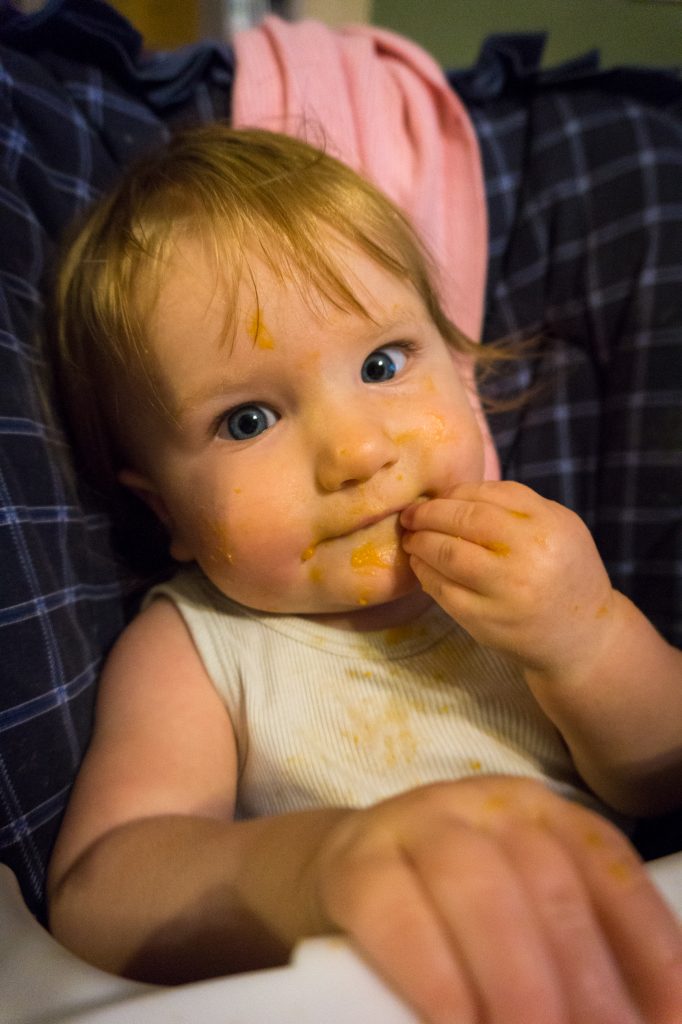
x=376, y=617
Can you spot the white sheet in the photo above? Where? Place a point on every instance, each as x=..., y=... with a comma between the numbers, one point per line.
x=41, y=983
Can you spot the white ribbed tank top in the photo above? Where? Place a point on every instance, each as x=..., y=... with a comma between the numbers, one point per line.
x=326, y=717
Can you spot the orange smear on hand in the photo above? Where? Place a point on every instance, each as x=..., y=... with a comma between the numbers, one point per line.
x=498, y=548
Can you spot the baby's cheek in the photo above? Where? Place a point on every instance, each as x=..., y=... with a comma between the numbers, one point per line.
x=214, y=542
x=218, y=532
x=456, y=452
x=429, y=432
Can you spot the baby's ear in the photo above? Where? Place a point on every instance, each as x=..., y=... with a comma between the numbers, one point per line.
x=146, y=491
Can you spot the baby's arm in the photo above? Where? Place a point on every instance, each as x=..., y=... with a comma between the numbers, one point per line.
x=488, y=897
x=522, y=574
x=148, y=875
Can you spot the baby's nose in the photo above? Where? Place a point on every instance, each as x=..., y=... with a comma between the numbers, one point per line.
x=353, y=455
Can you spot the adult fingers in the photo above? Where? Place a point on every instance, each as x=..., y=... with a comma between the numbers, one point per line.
x=379, y=901
x=643, y=935
x=592, y=974
x=493, y=928
x=642, y=930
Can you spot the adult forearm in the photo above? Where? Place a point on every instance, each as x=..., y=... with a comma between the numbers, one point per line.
x=173, y=899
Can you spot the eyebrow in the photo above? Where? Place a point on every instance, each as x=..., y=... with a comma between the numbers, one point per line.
x=210, y=392
x=396, y=322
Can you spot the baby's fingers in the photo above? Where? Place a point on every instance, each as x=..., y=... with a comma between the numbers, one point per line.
x=438, y=559
x=487, y=525
x=473, y=544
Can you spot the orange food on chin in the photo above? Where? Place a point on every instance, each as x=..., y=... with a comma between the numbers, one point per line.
x=370, y=556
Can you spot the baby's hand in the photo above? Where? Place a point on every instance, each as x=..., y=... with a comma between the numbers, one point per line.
x=517, y=571
x=495, y=900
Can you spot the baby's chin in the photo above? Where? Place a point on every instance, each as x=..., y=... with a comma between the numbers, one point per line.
x=366, y=571
x=371, y=599
x=398, y=611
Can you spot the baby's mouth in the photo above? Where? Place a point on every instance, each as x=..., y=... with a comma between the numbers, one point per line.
x=362, y=524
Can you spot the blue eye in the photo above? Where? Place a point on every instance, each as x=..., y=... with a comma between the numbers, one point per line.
x=247, y=421
x=383, y=364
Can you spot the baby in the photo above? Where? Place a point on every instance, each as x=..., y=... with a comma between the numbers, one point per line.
x=355, y=705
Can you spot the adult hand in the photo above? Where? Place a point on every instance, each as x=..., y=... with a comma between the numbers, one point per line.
x=494, y=901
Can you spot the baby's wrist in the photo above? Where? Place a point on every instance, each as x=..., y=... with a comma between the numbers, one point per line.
x=577, y=667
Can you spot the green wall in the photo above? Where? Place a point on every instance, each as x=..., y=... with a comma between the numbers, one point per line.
x=625, y=31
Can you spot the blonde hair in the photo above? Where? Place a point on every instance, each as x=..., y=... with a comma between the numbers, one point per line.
x=241, y=192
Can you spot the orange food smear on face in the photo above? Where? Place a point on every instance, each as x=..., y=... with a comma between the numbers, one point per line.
x=369, y=556
x=308, y=553
x=406, y=435
x=221, y=541
x=259, y=332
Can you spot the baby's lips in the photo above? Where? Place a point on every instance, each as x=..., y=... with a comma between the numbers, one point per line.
x=407, y=513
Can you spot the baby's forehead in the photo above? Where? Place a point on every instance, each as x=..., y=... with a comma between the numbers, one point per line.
x=247, y=286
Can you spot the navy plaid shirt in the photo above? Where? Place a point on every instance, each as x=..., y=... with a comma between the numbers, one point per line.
x=78, y=99
x=584, y=180
x=584, y=184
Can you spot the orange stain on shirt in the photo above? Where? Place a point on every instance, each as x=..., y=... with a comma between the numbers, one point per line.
x=383, y=730
x=397, y=634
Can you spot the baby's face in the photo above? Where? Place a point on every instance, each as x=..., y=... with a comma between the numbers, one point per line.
x=298, y=442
